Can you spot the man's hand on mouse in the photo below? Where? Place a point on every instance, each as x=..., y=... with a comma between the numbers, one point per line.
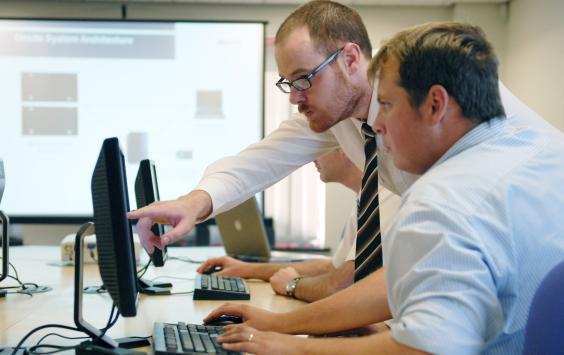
x=224, y=320
x=229, y=267
x=252, y=316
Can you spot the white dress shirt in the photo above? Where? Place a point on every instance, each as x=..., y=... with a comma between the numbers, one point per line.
x=232, y=180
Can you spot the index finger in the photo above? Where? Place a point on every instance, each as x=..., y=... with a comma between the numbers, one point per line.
x=151, y=211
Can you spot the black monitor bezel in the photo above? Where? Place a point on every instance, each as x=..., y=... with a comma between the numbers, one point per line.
x=122, y=251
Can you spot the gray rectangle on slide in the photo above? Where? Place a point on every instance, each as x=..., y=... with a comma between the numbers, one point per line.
x=49, y=121
x=49, y=87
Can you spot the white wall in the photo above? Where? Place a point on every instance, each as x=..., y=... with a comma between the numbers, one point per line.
x=535, y=56
x=527, y=36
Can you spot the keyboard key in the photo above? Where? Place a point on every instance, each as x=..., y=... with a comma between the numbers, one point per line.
x=208, y=343
x=198, y=344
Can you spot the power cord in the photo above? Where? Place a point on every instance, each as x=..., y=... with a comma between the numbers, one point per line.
x=24, y=288
x=186, y=260
x=33, y=350
x=144, y=269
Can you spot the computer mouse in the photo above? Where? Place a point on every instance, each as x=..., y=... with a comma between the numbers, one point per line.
x=225, y=319
x=212, y=269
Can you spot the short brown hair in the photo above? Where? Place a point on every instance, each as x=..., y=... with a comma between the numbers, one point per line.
x=456, y=56
x=329, y=23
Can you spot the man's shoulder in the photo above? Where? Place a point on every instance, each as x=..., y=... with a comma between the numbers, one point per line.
x=491, y=168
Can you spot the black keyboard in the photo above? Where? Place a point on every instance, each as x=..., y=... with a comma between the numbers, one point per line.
x=184, y=338
x=215, y=287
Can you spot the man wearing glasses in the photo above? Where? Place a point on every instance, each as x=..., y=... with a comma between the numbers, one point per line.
x=322, y=52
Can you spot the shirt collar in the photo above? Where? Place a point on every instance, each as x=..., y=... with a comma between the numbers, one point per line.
x=373, y=109
x=475, y=136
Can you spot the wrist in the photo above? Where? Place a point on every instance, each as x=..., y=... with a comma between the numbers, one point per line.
x=200, y=201
x=292, y=285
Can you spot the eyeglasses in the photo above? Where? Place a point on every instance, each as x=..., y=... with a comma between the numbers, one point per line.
x=304, y=82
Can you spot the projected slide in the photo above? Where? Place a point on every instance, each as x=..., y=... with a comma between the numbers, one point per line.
x=181, y=93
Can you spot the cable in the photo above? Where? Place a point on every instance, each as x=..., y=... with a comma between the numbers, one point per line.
x=144, y=269
x=186, y=260
x=19, y=345
x=21, y=289
x=32, y=350
x=60, y=336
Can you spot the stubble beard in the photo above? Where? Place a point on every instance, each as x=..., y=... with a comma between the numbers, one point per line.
x=342, y=106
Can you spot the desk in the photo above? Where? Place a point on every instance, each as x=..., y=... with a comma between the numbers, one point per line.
x=20, y=313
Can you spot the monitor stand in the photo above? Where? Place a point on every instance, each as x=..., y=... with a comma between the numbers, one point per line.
x=98, y=344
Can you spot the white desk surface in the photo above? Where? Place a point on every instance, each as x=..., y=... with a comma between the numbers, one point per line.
x=20, y=313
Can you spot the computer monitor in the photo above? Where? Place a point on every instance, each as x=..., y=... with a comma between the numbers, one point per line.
x=114, y=240
x=147, y=192
x=114, y=236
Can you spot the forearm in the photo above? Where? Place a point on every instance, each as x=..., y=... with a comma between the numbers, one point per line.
x=363, y=303
x=264, y=271
x=381, y=343
x=313, y=267
x=315, y=288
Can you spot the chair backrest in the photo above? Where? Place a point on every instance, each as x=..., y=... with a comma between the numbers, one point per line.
x=545, y=327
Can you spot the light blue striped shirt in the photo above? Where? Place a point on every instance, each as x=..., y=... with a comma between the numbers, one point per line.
x=472, y=240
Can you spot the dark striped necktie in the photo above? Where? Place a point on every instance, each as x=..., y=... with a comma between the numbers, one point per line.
x=368, y=238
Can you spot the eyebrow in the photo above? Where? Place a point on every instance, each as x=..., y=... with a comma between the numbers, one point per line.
x=295, y=73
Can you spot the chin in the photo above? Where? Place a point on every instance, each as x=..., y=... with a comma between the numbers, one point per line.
x=316, y=127
x=320, y=127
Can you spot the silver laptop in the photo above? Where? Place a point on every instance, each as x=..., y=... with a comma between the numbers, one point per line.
x=243, y=234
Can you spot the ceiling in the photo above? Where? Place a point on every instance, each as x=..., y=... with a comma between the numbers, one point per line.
x=348, y=2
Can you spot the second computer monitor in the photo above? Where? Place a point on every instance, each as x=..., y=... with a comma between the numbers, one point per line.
x=147, y=192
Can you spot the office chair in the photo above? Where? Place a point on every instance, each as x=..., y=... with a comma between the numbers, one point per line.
x=544, y=333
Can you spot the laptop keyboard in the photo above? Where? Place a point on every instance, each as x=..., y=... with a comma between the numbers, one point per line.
x=181, y=338
x=215, y=287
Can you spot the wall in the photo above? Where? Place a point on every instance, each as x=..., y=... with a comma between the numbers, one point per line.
x=535, y=56
x=517, y=36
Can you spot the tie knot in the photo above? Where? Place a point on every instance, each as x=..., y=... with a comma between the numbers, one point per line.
x=367, y=131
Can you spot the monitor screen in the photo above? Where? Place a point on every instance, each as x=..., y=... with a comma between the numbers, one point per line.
x=180, y=93
x=114, y=237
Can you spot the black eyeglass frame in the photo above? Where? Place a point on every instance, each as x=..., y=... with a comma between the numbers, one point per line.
x=304, y=82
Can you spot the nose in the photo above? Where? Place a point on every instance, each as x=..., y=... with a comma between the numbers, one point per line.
x=296, y=97
x=378, y=127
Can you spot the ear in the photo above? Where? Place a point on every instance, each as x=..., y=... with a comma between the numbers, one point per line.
x=436, y=104
x=352, y=55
